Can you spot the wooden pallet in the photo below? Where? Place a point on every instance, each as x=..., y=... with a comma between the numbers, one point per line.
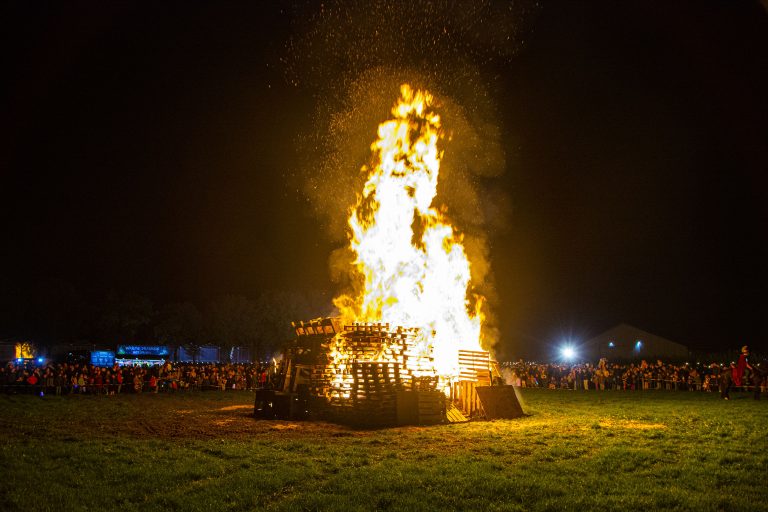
x=424, y=383
x=454, y=415
x=474, y=365
x=317, y=327
x=464, y=395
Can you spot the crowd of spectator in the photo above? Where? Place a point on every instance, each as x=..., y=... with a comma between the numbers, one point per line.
x=620, y=376
x=82, y=378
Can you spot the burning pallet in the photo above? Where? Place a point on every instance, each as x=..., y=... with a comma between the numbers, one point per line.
x=373, y=366
x=400, y=364
x=375, y=374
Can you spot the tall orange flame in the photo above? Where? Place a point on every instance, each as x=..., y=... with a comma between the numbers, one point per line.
x=411, y=260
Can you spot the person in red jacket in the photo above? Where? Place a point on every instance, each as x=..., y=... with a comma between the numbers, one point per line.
x=119, y=378
x=153, y=383
x=738, y=372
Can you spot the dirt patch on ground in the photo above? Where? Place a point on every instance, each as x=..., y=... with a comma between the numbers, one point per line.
x=226, y=423
x=186, y=416
x=183, y=416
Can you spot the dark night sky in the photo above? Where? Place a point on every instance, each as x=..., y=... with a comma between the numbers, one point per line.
x=149, y=149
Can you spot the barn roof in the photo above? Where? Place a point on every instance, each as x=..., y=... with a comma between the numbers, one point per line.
x=623, y=328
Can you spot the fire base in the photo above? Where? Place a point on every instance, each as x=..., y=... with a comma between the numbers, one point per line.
x=368, y=375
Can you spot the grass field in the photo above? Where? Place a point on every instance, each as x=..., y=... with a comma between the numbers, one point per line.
x=576, y=451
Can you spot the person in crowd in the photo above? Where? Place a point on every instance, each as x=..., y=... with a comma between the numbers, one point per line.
x=741, y=366
x=98, y=382
x=81, y=383
x=759, y=378
x=152, y=384
x=32, y=380
x=585, y=378
x=137, y=382
x=59, y=382
x=726, y=377
x=118, y=378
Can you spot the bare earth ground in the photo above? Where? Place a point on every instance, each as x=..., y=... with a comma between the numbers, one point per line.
x=214, y=415
x=208, y=415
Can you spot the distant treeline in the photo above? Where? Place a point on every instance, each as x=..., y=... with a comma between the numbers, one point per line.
x=55, y=315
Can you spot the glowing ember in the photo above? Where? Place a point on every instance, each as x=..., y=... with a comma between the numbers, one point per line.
x=411, y=262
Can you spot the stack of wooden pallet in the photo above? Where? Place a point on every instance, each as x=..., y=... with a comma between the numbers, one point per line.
x=369, y=364
x=377, y=343
x=377, y=374
x=308, y=354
